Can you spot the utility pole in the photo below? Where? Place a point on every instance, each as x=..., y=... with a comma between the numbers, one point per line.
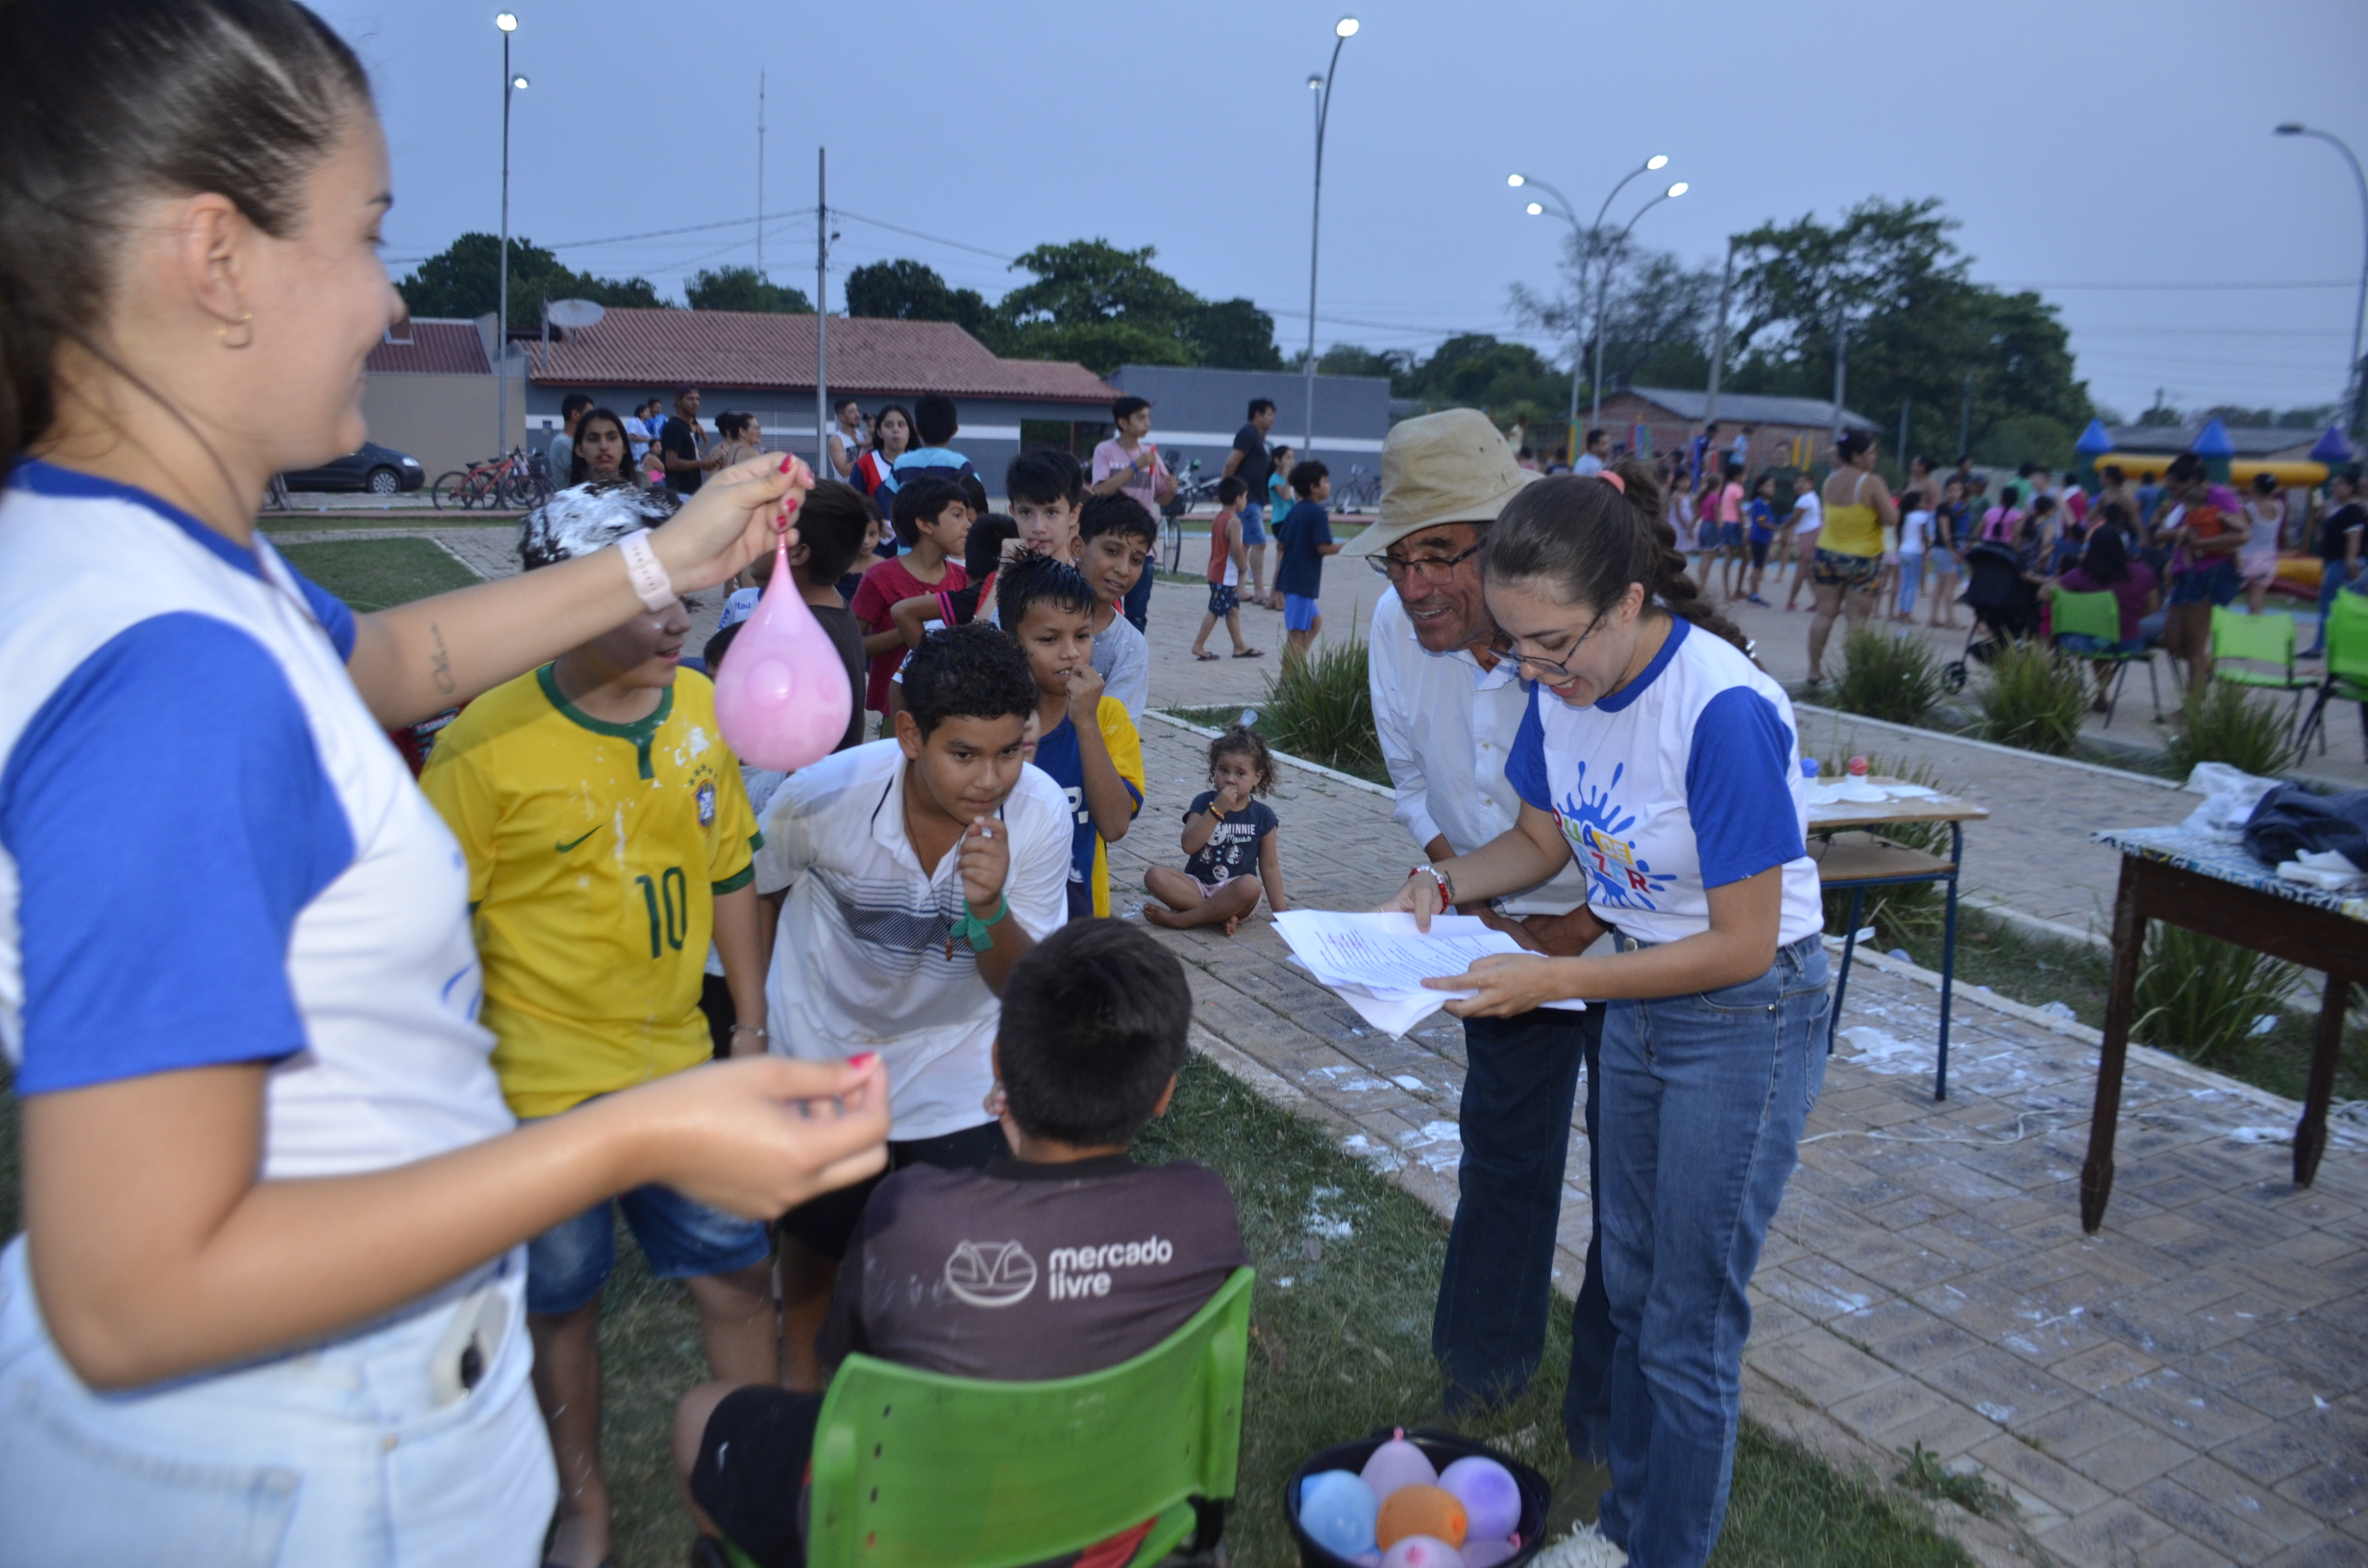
x=822, y=315
x=1718, y=340
x=760, y=171
x=1964, y=422
x=1841, y=366
x=1903, y=439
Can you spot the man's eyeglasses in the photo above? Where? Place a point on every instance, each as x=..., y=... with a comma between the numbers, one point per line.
x=1435, y=570
x=1539, y=663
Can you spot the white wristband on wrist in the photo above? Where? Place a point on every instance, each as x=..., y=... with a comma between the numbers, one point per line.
x=651, y=583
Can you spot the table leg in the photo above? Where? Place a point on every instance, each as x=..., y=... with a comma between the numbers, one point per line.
x=1842, y=985
x=2129, y=937
x=2310, y=1132
x=1948, y=958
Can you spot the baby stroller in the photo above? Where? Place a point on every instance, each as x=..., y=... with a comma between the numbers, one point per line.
x=2006, y=608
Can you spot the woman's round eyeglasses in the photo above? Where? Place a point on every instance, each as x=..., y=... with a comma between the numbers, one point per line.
x=1560, y=667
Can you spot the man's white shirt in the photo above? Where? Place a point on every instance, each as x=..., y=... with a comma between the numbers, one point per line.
x=1445, y=727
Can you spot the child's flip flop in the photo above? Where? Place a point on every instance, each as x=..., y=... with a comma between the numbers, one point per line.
x=1206, y=657
x=1248, y=653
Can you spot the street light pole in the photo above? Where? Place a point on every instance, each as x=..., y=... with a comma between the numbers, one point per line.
x=1578, y=338
x=1603, y=293
x=1342, y=31
x=2359, y=310
x=508, y=24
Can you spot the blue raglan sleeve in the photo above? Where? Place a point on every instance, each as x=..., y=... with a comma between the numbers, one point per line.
x=1738, y=790
x=331, y=611
x=169, y=820
x=1525, y=762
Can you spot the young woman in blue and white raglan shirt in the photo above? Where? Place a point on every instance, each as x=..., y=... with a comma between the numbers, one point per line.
x=266, y=1308
x=1665, y=761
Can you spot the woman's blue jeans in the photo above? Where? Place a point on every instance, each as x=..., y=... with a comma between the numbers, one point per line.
x=2331, y=583
x=1703, y=1101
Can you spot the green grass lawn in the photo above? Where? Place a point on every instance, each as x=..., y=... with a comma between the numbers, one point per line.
x=1340, y=1350
x=375, y=574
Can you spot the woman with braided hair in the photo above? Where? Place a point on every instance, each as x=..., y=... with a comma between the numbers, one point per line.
x=1660, y=758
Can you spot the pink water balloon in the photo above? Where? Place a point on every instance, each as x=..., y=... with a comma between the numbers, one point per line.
x=782, y=696
x=1398, y=1464
x=1423, y=1551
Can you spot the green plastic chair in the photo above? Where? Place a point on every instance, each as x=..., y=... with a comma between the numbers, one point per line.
x=2347, y=668
x=919, y=1470
x=2263, y=647
x=2098, y=615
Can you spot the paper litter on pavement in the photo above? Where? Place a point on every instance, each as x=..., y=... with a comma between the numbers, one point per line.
x=1377, y=963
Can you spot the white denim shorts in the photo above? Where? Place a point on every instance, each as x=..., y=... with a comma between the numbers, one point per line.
x=368, y=1451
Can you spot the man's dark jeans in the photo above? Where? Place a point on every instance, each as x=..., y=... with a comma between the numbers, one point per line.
x=1489, y=1333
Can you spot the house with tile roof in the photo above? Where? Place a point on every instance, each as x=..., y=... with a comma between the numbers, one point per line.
x=759, y=363
x=430, y=392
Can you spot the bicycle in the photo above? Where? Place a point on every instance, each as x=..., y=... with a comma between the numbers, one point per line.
x=513, y=479
x=1359, y=492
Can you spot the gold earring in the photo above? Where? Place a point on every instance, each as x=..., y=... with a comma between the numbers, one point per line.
x=246, y=333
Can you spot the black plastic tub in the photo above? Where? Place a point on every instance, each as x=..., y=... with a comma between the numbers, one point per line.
x=1442, y=1448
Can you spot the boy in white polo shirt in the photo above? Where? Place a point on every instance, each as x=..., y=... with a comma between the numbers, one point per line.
x=912, y=873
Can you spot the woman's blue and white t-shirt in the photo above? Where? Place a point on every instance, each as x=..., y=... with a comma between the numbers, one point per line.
x=209, y=853
x=1686, y=779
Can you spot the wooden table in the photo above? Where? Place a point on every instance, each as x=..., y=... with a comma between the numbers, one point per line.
x=1849, y=856
x=2202, y=884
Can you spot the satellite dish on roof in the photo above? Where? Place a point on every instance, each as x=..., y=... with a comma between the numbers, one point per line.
x=572, y=315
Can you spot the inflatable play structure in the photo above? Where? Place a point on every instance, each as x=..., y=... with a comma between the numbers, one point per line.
x=2298, y=568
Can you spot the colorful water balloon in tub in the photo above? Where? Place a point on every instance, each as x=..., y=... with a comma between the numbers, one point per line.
x=1398, y=1464
x=1492, y=1498
x=1336, y=1510
x=1423, y=1551
x=1420, y=1511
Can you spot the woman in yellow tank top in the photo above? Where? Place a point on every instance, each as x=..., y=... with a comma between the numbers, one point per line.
x=1858, y=508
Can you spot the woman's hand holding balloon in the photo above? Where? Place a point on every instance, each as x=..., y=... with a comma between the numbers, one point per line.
x=736, y=516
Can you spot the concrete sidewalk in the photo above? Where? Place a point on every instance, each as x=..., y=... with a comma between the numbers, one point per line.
x=2189, y=1386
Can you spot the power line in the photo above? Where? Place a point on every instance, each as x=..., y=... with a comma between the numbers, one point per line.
x=2341, y=282
x=619, y=240
x=934, y=240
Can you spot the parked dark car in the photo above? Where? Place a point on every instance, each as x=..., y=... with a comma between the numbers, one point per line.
x=382, y=471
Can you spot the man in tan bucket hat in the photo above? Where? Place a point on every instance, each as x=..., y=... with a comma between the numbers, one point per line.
x=1447, y=704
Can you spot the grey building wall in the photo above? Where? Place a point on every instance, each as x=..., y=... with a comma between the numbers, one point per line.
x=990, y=436
x=1194, y=413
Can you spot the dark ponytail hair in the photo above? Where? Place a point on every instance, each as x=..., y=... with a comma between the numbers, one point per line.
x=1852, y=443
x=1589, y=540
x=104, y=103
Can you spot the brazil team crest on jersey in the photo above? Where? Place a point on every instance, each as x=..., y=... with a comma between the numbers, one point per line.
x=706, y=802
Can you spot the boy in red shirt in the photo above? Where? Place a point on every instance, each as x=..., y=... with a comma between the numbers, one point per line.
x=933, y=521
x=1226, y=557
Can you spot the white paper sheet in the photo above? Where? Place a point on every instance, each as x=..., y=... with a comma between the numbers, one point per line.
x=1377, y=963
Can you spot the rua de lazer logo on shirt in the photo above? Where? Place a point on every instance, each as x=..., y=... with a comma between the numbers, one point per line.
x=1596, y=825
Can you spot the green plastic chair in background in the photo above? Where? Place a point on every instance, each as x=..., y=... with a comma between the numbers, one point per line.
x=2098, y=615
x=2347, y=670
x=919, y=1470
x=2260, y=651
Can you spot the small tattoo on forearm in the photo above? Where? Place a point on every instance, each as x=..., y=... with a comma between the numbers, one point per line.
x=440, y=664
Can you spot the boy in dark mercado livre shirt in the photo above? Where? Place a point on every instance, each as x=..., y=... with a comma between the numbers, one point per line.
x=1065, y=1259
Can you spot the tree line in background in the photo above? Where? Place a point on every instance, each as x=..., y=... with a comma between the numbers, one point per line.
x=1887, y=280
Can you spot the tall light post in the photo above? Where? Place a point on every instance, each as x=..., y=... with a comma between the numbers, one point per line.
x=1562, y=210
x=1603, y=291
x=508, y=23
x=2359, y=310
x=1342, y=31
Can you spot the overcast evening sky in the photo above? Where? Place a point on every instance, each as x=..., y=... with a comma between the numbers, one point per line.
x=2077, y=144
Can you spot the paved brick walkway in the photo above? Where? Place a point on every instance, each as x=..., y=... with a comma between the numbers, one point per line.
x=2189, y=1386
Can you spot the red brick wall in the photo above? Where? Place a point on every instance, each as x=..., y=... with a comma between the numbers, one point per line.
x=1663, y=432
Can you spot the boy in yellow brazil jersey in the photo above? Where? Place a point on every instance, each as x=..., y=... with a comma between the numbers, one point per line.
x=608, y=840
